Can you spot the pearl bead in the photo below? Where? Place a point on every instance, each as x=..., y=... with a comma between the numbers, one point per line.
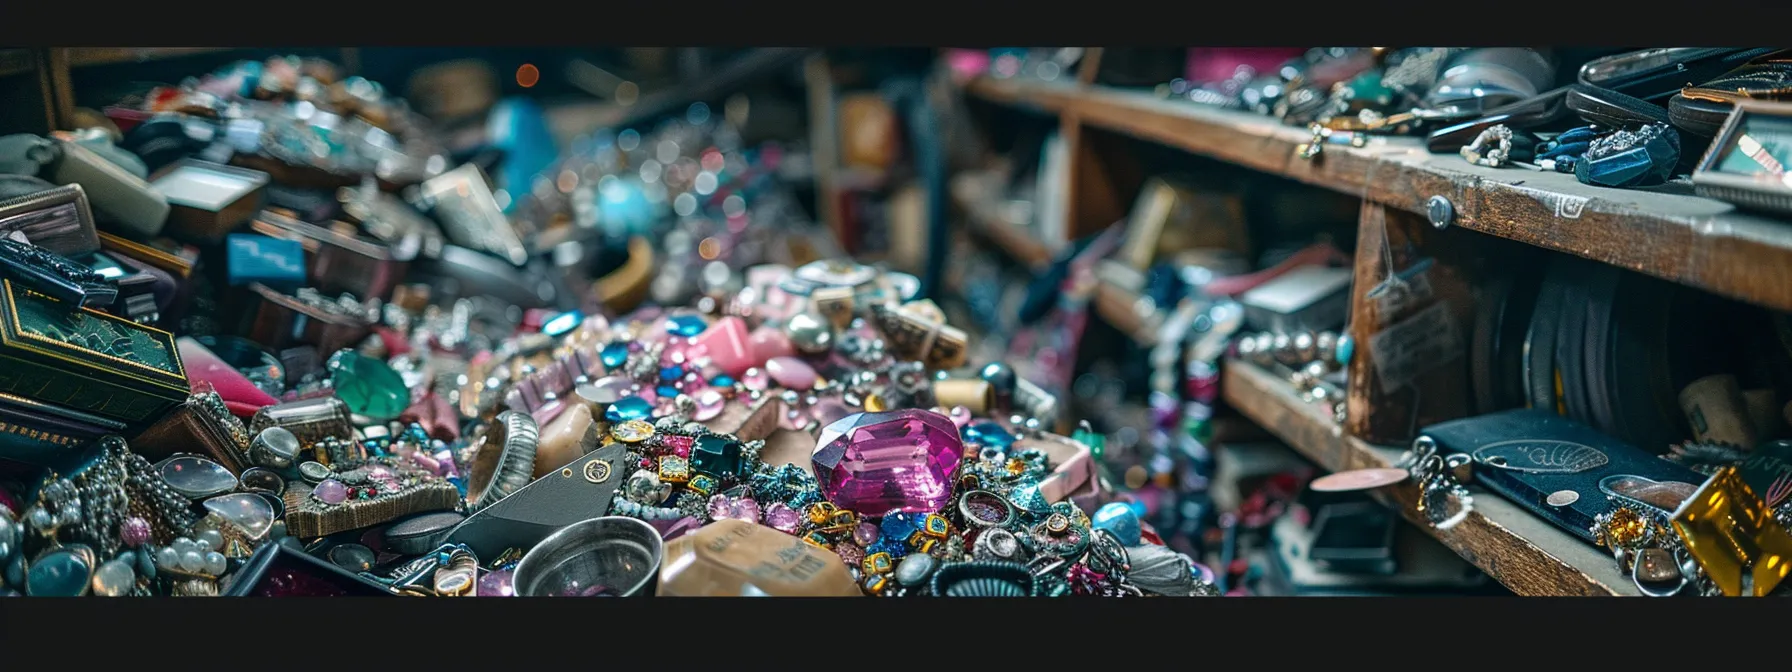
x=215, y=563
x=211, y=540
x=167, y=558
x=192, y=561
x=809, y=333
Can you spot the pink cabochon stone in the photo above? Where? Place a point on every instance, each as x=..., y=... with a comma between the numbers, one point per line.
x=727, y=346
x=872, y=463
x=767, y=342
x=791, y=373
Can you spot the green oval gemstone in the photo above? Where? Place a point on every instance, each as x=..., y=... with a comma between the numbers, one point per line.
x=369, y=386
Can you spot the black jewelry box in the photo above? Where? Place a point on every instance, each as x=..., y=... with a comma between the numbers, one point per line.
x=1560, y=469
x=253, y=579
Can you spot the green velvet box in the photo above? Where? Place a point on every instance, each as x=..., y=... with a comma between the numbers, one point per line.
x=85, y=359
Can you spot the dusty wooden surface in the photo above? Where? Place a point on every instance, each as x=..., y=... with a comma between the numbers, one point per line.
x=1526, y=554
x=1666, y=232
x=1440, y=391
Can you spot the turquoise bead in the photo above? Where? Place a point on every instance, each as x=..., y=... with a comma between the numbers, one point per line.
x=1346, y=346
x=614, y=355
x=686, y=325
x=63, y=573
x=563, y=323
x=628, y=408
x=989, y=434
x=1120, y=520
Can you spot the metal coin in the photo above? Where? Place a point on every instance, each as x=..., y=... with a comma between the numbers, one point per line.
x=1358, y=479
x=1561, y=498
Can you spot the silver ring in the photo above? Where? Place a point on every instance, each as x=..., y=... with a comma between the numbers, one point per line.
x=274, y=448
x=262, y=479
x=964, y=508
x=506, y=462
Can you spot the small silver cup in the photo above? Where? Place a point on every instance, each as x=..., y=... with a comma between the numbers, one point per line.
x=612, y=556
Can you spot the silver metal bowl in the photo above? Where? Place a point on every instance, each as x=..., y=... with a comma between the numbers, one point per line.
x=612, y=556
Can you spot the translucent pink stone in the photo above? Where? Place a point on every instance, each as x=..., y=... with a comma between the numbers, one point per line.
x=330, y=491
x=727, y=346
x=723, y=506
x=961, y=416
x=427, y=462
x=871, y=463
x=791, y=373
x=756, y=379
x=782, y=518
x=767, y=342
x=710, y=403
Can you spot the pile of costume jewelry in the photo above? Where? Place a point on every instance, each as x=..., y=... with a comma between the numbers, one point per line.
x=806, y=436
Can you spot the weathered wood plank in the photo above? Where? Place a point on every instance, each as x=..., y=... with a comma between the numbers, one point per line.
x=1666, y=232
x=1521, y=551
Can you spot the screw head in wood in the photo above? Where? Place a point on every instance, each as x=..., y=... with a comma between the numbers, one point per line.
x=1440, y=211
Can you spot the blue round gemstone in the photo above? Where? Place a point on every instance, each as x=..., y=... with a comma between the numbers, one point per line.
x=62, y=573
x=989, y=434
x=686, y=325
x=722, y=381
x=898, y=526
x=628, y=408
x=614, y=355
x=1119, y=519
x=671, y=372
x=895, y=548
x=667, y=391
x=1346, y=346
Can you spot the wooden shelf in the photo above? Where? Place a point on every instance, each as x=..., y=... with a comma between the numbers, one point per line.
x=1116, y=305
x=1528, y=555
x=1666, y=231
x=16, y=62
x=85, y=56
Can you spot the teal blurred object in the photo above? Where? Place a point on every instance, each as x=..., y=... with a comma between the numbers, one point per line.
x=624, y=208
x=520, y=128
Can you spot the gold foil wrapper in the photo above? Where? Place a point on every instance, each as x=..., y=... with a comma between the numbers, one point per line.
x=1732, y=534
x=977, y=395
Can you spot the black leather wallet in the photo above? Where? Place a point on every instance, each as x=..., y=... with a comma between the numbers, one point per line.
x=1560, y=469
x=578, y=491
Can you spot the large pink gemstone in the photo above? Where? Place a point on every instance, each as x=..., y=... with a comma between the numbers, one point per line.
x=874, y=462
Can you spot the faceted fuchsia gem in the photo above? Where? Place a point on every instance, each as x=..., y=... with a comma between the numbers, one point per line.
x=871, y=463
